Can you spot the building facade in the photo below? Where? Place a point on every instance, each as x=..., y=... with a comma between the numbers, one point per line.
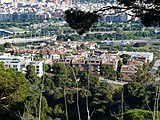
x=20, y=63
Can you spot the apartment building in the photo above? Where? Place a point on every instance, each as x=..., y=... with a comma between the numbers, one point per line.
x=91, y=64
x=116, y=18
x=139, y=58
x=38, y=67
x=90, y=45
x=136, y=63
x=127, y=71
x=20, y=63
x=65, y=61
x=143, y=56
x=112, y=63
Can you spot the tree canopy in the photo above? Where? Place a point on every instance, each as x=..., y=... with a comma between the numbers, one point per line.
x=20, y=99
x=14, y=89
x=76, y=19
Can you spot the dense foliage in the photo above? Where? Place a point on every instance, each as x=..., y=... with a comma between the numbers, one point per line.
x=14, y=89
x=79, y=20
x=69, y=93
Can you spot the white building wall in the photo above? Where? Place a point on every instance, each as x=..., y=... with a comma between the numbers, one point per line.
x=20, y=63
x=148, y=55
x=38, y=67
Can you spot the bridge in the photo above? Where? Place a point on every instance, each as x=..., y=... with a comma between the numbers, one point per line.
x=113, y=81
x=26, y=40
x=6, y=31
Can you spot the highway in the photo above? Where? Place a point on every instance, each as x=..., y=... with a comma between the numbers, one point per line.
x=112, y=81
x=26, y=40
x=132, y=41
x=53, y=38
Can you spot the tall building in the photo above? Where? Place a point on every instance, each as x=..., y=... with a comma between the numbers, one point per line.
x=5, y=1
x=41, y=0
x=57, y=2
x=68, y=2
x=14, y=1
x=31, y=1
x=49, y=0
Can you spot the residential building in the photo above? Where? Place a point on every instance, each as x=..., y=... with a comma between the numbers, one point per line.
x=68, y=2
x=90, y=64
x=38, y=67
x=20, y=63
x=136, y=63
x=90, y=45
x=112, y=63
x=115, y=18
x=156, y=65
x=65, y=61
x=140, y=55
x=57, y=2
x=53, y=56
x=139, y=58
x=127, y=71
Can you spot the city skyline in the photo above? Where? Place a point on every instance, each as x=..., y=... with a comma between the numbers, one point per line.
x=56, y=2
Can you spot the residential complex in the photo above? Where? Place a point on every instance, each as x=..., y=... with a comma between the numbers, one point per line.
x=20, y=63
x=91, y=59
x=29, y=10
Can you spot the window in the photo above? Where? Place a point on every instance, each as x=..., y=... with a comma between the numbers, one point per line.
x=15, y=66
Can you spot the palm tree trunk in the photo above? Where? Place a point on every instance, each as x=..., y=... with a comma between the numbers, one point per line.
x=122, y=104
x=155, y=102
x=88, y=116
x=87, y=89
x=40, y=101
x=79, y=114
x=65, y=101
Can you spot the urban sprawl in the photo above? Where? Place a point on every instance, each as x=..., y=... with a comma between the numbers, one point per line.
x=31, y=46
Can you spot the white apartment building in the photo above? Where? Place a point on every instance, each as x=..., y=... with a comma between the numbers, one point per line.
x=4, y=16
x=156, y=65
x=53, y=56
x=38, y=67
x=5, y=1
x=148, y=55
x=20, y=63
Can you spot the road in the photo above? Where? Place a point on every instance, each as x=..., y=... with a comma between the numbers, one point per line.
x=156, y=65
x=112, y=81
x=132, y=41
x=26, y=40
x=36, y=39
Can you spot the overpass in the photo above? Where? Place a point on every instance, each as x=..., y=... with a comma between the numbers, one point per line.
x=112, y=81
x=6, y=31
x=44, y=38
x=27, y=40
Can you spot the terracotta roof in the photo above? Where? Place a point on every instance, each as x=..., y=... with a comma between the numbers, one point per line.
x=129, y=68
x=90, y=43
